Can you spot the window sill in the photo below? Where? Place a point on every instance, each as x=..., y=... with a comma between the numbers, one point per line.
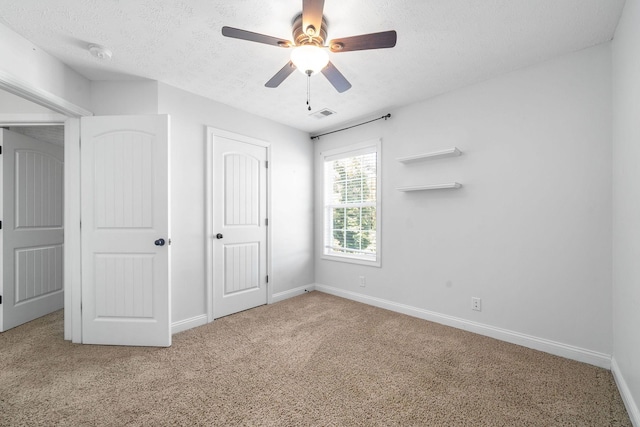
x=350, y=260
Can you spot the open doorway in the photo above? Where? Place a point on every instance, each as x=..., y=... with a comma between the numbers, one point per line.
x=32, y=211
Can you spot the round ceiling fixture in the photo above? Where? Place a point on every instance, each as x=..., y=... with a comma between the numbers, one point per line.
x=100, y=52
x=309, y=59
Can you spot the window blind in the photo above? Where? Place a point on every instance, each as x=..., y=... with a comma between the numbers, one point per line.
x=351, y=204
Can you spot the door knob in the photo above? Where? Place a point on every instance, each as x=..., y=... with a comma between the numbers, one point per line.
x=219, y=236
x=159, y=242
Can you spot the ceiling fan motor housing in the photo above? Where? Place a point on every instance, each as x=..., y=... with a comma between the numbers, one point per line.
x=315, y=37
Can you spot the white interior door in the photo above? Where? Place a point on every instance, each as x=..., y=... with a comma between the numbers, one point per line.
x=32, y=228
x=239, y=230
x=125, y=230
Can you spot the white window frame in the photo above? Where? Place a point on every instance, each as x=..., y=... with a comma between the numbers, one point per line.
x=369, y=146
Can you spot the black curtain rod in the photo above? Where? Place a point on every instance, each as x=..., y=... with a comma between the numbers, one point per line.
x=387, y=116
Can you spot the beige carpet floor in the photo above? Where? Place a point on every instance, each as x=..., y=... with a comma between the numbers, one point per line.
x=313, y=360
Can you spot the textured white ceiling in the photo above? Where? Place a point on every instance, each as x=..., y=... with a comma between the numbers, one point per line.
x=442, y=45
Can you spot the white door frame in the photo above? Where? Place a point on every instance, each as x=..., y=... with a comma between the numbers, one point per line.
x=69, y=116
x=211, y=132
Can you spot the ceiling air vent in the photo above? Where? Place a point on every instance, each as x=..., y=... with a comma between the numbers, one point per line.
x=325, y=112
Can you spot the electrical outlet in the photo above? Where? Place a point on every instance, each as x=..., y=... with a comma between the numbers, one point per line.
x=363, y=282
x=476, y=304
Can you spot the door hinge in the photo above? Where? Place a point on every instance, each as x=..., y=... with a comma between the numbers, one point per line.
x=0, y=149
x=266, y=221
x=0, y=299
x=0, y=225
x=266, y=164
x=267, y=278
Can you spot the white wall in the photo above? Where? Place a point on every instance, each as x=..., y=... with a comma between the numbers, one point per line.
x=125, y=97
x=27, y=62
x=291, y=198
x=530, y=231
x=626, y=206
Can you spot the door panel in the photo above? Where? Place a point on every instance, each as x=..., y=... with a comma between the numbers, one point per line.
x=124, y=180
x=241, y=190
x=125, y=278
x=32, y=229
x=239, y=216
x=241, y=267
x=125, y=210
x=38, y=186
x=37, y=272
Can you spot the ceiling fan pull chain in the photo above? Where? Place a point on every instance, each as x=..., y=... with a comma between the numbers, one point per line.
x=309, y=90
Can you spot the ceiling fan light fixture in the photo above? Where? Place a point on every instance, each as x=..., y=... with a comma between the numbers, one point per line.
x=309, y=59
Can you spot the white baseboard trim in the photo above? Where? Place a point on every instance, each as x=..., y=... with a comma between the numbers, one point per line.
x=627, y=398
x=559, y=349
x=281, y=296
x=183, y=325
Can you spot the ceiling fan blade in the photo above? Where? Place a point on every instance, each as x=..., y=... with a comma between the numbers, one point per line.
x=365, y=41
x=312, y=15
x=254, y=37
x=281, y=75
x=336, y=78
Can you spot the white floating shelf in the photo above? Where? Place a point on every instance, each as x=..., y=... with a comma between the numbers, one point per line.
x=449, y=152
x=430, y=187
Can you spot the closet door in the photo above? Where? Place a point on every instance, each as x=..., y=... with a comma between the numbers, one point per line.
x=32, y=228
x=238, y=208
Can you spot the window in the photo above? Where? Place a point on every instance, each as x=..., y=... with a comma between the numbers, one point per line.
x=352, y=204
